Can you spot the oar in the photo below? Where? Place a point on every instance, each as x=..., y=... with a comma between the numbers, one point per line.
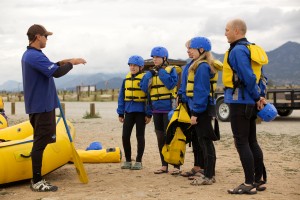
x=76, y=159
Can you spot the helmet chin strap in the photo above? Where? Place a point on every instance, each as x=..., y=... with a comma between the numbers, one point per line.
x=200, y=52
x=164, y=61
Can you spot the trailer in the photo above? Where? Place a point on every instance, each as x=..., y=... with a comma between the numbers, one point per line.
x=285, y=101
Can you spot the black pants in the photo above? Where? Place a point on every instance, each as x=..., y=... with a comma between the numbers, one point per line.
x=161, y=122
x=44, y=132
x=138, y=119
x=204, y=130
x=198, y=153
x=243, y=126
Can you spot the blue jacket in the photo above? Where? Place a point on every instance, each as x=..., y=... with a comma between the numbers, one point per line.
x=131, y=106
x=169, y=80
x=38, y=83
x=239, y=59
x=199, y=102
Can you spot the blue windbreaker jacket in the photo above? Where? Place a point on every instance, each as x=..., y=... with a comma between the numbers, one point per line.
x=239, y=59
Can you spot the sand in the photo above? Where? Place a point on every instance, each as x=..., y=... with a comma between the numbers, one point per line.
x=280, y=141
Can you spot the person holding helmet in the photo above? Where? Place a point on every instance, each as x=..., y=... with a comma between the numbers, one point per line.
x=40, y=98
x=160, y=83
x=242, y=93
x=133, y=110
x=195, y=91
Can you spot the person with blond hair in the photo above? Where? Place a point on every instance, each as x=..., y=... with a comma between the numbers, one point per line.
x=196, y=92
x=198, y=169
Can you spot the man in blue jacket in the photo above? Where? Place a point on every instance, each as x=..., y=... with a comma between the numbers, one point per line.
x=243, y=95
x=41, y=99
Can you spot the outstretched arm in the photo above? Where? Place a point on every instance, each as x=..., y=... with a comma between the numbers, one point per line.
x=73, y=61
x=66, y=65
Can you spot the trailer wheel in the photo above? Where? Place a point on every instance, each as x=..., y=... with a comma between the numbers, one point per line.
x=222, y=110
x=284, y=112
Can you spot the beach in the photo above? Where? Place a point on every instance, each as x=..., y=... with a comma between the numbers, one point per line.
x=279, y=140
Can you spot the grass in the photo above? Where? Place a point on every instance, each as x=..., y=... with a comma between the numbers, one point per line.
x=88, y=115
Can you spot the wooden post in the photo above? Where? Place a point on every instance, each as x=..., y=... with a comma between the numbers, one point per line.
x=92, y=109
x=13, y=108
x=20, y=97
x=113, y=94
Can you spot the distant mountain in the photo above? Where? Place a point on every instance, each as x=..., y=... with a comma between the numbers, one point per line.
x=112, y=83
x=101, y=80
x=13, y=86
x=284, y=64
x=283, y=69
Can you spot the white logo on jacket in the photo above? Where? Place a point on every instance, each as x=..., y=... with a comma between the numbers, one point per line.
x=50, y=67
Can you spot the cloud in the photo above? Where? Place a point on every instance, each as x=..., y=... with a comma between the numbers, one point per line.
x=106, y=33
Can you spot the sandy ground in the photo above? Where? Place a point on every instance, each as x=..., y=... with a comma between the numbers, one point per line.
x=280, y=141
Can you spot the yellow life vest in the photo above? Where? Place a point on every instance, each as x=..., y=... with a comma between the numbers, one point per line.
x=159, y=90
x=175, y=146
x=258, y=59
x=133, y=91
x=213, y=81
x=3, y=122
x=178, y=69
x=1, y=103
x=174, y=153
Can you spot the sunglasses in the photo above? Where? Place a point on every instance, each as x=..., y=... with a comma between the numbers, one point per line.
x=45, y=36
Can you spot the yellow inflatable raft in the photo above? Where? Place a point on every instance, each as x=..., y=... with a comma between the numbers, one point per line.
x=15, y=160
x=109, y=155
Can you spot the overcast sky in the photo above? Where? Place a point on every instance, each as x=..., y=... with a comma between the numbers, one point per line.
x=107, y=32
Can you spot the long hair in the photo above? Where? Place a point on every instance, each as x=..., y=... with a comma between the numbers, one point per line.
x=207, y=55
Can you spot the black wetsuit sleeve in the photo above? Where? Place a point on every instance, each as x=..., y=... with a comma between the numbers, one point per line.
x=62, y=70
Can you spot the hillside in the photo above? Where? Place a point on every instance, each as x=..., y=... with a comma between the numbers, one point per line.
x=284, y=64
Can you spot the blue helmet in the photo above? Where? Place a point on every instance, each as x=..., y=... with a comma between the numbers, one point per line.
x=268, y=113
x=160, y=52
x=136, y=60
x=200, y=42
x=94, y=146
